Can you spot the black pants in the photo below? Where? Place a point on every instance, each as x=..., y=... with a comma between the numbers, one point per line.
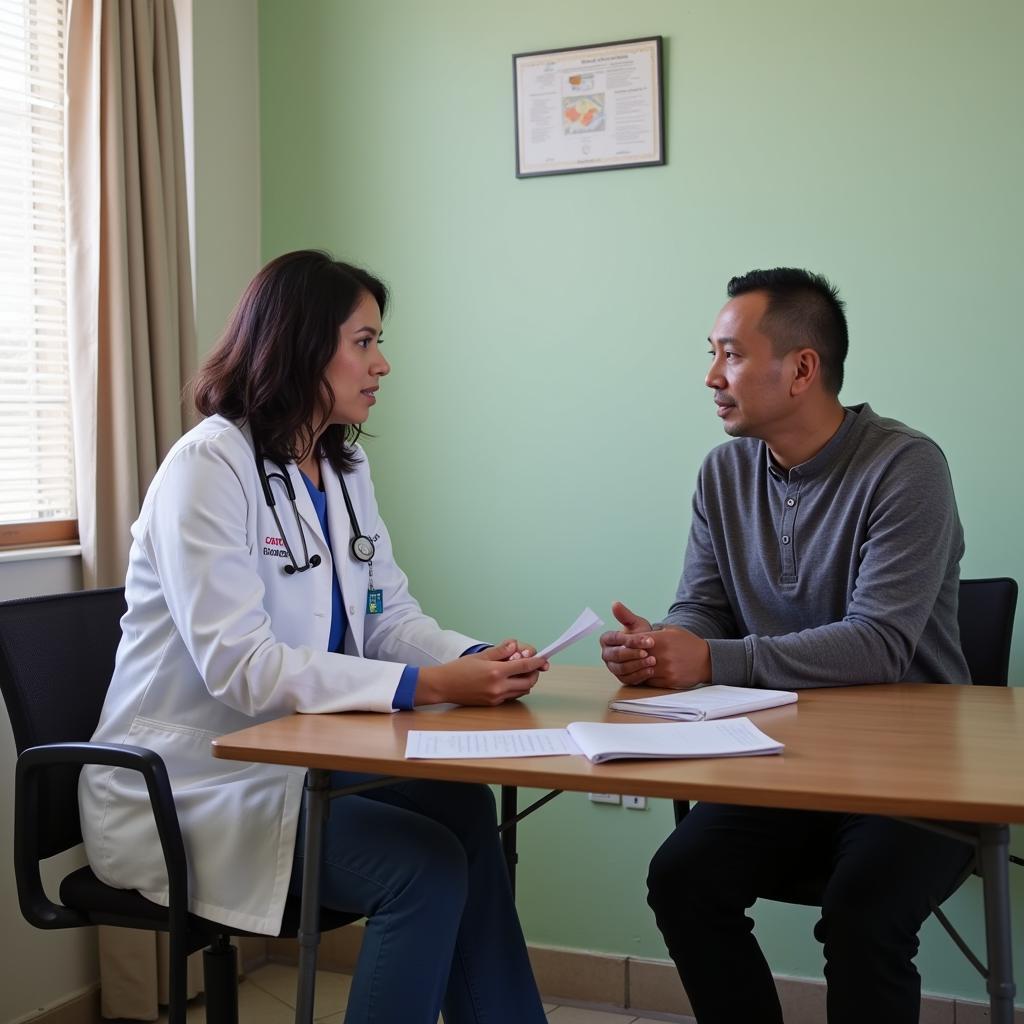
x=881, y=876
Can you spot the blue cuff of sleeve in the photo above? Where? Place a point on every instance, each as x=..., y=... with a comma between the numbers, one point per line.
x=406, y=692
x=475, y=649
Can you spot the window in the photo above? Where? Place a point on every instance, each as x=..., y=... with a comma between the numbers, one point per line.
x=37, y=487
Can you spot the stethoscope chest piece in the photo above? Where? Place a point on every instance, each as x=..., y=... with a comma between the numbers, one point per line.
x=362, y=548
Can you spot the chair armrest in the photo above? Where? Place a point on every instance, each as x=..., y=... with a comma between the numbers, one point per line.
x=36, y=906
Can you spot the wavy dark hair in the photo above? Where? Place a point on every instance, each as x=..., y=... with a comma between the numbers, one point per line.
x=267, y=370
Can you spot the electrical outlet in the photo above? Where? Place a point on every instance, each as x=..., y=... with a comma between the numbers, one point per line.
x=604, y=798
x=635, y=803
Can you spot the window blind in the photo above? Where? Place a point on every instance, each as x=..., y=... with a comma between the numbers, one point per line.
x=36, y=450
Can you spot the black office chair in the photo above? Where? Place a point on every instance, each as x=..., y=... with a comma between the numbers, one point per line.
x=56, y=660
x=985, y=614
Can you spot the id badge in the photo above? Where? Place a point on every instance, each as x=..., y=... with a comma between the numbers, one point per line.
x=374, y=602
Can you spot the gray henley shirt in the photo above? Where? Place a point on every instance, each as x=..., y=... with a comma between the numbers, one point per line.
x=843, y=570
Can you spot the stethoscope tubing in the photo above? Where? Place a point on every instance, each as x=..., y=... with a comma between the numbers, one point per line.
x=361, y=547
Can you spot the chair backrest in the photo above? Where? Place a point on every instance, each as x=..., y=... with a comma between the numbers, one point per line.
x=985, y=612
x=56, y=660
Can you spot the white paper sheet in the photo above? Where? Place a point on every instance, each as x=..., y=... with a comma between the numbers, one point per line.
x=510, y=743
x=726, y=737
x=585, y=624
x=600, y=741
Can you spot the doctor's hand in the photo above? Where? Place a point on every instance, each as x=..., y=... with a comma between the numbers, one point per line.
x=490, y=677
x=674, y=657
x=634, y=665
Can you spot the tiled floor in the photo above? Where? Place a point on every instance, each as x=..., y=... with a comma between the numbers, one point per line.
x=267, y=996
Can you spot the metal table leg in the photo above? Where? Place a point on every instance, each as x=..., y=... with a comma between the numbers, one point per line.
x=993, y=859
x=318, y=796
x=317, y=809
x=510, y=818
x=318, y=806
x=509, y=808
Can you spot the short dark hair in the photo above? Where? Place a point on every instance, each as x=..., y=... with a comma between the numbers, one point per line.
x=804, y=309
x=267, y=370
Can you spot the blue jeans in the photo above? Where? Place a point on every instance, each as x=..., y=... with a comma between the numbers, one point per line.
x=423, y=862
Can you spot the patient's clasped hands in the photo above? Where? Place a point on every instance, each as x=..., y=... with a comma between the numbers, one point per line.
x=639, y=654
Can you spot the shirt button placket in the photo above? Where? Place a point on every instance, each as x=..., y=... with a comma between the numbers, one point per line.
x=787, y=534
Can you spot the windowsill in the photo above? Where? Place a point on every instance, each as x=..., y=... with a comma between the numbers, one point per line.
x=41, y=552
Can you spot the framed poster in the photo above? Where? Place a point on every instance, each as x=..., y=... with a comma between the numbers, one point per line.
x=589, y=108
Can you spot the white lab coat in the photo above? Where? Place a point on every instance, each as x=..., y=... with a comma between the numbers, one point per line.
x=216, y=638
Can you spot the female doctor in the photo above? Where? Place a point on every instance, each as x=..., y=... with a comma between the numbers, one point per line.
x=261, y=581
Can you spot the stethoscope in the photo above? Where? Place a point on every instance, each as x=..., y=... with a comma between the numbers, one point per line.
x=361, y=546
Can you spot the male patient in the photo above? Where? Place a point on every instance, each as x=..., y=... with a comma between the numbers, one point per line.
x=824, y=550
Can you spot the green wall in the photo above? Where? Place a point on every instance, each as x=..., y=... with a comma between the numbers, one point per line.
x=540, y=433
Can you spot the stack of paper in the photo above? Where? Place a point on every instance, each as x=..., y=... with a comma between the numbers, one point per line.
x=705, y=702
x=601, y=741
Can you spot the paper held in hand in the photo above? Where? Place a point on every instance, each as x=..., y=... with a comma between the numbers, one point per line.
x=585, y=624
x=705, y=702
x=599, y=741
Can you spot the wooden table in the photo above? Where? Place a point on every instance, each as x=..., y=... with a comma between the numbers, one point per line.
x=905, y=750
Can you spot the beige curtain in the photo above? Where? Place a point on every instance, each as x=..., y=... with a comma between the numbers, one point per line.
x=131, y=315
x=134, y=975
x=131, y=326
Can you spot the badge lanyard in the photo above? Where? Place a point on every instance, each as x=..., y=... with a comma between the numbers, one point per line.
x=374, y=597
